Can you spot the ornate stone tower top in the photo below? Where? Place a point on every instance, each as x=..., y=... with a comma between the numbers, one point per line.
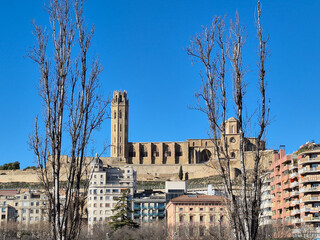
x=119, y=124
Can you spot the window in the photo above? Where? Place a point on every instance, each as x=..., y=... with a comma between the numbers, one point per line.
x=232, y=140
x=190, y=209
x=120, y=115
x=167, y=151
x=132, y=153
x=180, y=209
x=114, y=114
x=201, y=209
x=211, y=219
x=178, y=151
x=3, y=209
x=107, y=190
x=191, y=219
x=201, y=219
x=181, y=218
x=107, y=205
x=144, y=151
x=115, y=190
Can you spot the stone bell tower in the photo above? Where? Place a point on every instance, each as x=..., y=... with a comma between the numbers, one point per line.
x=119, y=124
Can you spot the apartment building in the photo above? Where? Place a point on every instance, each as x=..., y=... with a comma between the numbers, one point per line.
x=198, y=212
x=266, y=200
x=25, y=207
x=295, y=188
x=309, y=179
x=106, y=185
x=149, y=206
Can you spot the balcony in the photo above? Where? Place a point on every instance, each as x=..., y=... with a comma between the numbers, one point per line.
x=137, y=214
x=295, y=221
x=309, y=170
x=294, y=184
x=309, y=160
x=309, y=189
x=286, y=186
x=310, y=219
x=310, y=199
x=294, y=193
x=310, y=209
x=310, y=178
x=267, y=205
x=294, y=175
x=294, y=202
x=286, y=195
x=295, y=212
x=292, y=167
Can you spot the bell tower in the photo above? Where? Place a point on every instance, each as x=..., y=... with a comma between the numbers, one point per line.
x=119, y=124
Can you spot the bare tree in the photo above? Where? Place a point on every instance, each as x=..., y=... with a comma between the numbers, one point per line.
x=72, y=110
x=212, y=48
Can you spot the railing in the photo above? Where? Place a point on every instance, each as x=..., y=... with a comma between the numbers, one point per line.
x=296, y=220
x=294, y=184
x=293, y=175
x=295, y=202
x=310, y=219
x=307, y=159
x=309, y=198
x=310, y=189
x=310, y=179
x=294, y=193
x=295, y=212
x=309, y=169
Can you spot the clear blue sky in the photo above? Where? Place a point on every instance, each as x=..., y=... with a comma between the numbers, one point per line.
x=141, y=46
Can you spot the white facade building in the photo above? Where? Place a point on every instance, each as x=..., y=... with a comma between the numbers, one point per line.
x=106, y=185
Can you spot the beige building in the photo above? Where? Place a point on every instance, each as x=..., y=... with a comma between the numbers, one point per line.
x=196, y=212
x=26, y=208
x=190, y=152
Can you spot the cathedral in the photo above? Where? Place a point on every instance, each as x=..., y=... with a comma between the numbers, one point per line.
x=191, y=152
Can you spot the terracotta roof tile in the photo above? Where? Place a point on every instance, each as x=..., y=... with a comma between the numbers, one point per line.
x=197, y=198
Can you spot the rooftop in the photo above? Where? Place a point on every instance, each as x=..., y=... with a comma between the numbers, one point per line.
x=197, y=199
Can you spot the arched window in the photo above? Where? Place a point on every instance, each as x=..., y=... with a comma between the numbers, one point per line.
x=114, y=114
x=120, y=114
x=233, y=155
x=205, y=156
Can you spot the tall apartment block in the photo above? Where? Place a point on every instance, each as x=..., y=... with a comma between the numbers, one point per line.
x=295, y=186
x=280, y=187
x=309, y=179
x=106, y=185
